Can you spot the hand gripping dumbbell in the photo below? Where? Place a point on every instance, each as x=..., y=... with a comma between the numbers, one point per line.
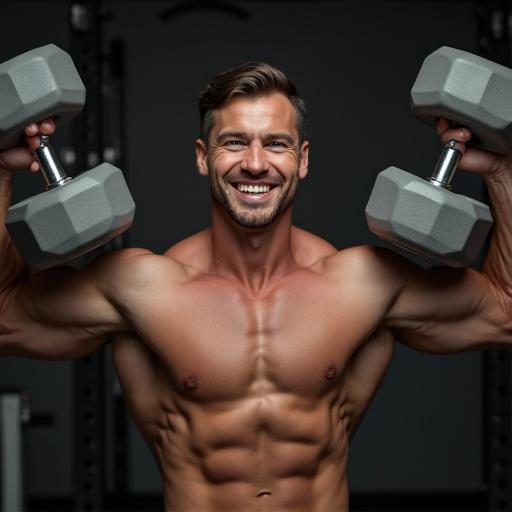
x=73, y=215
x=424, y=216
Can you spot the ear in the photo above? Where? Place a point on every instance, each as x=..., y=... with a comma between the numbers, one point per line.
x=201, y=157
x=304, y=160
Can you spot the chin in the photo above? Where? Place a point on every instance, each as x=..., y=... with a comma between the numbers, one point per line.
x=259, y=226
x=253, y=224
x=250, y=219
x=256, y=222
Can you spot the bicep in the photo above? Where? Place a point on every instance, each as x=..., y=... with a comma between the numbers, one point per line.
x=443, y=310
x=58, y=313
x=67, y=297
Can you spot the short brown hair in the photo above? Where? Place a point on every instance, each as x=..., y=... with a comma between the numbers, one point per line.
x=248, y=79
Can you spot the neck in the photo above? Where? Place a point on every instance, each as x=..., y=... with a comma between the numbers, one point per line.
x=252, y=256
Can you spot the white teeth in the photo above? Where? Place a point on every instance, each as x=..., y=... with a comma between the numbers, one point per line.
x=253, y=189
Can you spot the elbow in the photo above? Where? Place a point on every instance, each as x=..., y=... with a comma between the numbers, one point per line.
x=498, y=307
x=12, y=326
x=11, y=344
x=505, y=337
x=499, y=336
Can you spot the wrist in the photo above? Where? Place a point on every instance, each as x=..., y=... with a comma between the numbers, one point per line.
x=499, y=175
x=5, y=175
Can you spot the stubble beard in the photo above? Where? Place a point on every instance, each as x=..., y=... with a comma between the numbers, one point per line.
x=253, y=216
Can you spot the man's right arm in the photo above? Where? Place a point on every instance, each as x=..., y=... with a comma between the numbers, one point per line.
x=57, y=313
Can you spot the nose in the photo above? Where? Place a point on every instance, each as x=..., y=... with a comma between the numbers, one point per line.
x=254, y=160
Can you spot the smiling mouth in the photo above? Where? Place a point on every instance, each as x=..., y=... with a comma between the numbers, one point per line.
x=256, y=190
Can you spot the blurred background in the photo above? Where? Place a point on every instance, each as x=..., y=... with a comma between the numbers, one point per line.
x=437, y=436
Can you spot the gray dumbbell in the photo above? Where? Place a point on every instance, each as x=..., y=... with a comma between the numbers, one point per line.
x=425, y=217
x=75, y=215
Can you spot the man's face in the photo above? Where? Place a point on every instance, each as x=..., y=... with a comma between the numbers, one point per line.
x=253, y=158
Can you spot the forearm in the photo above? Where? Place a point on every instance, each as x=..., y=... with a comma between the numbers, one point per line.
x=498, y=260
x=12, y=266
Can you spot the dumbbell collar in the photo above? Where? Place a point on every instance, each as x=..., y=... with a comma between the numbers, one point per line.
x=51, y=169
x=446, y=166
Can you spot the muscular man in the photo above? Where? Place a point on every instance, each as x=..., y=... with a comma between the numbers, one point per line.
x=249, y=352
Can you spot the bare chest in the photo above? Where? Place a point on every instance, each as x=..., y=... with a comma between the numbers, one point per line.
x=218, y=342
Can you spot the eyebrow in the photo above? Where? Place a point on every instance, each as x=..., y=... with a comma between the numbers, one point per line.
x=241, y=135
x=229, y=135
x=281, y=135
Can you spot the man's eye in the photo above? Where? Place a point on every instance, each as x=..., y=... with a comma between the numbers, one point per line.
x=277, y=144
x=234, y=142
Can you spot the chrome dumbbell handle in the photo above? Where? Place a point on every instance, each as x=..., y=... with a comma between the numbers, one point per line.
x=446, y=166
x=51, y=169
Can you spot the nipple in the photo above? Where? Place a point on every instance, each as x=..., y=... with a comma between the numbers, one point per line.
x=191, y=382
x=330, y=373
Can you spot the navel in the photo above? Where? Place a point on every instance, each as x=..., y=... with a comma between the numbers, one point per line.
x=191, y=383
x=330, y=372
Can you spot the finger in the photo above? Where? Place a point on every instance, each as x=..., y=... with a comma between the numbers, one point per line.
x=34, y=166
x=47, y=126
x=481, y=162
x=442, y=124
x=31, y=129
x=457, y=134
x=33, y=142
x=18, y=158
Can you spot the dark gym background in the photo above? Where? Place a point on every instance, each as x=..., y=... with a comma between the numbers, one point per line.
x=354, y=63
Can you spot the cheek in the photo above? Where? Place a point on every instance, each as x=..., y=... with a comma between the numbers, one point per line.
x=226, y=160
x=222, y=164
x=287, y=165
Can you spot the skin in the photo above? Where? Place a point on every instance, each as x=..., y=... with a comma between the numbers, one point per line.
x=249, y=355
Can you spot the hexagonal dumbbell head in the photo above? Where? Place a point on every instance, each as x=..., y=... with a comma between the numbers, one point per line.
x=470, y=91
x=426, y=219
x=38, y=84
x=65, y=222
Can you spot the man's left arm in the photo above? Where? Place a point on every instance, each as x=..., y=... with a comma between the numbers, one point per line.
x=449, y=310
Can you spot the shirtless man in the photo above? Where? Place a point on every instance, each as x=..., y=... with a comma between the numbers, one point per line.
x=249, y=352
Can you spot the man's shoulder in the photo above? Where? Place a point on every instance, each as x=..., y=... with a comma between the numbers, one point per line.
x=309, y=248
x=361, y=262
x=193, y=253
x=135, y=268
x=367, y=265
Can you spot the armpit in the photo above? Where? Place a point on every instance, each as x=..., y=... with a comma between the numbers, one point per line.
x=366, y=371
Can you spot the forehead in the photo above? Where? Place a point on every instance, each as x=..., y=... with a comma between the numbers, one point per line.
x=267, y=112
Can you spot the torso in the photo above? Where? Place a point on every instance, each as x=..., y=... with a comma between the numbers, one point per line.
x=248, y=400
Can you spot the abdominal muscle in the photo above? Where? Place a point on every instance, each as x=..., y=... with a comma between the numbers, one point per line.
x=269, y=453
x=247, y=401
